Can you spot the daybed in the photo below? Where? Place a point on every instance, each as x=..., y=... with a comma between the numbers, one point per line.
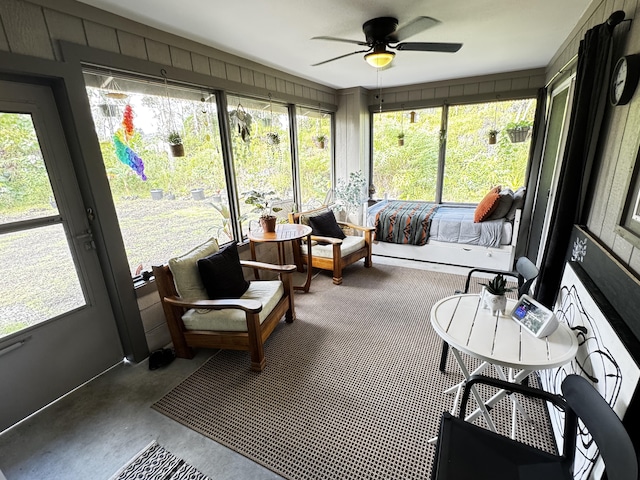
x=450, y=234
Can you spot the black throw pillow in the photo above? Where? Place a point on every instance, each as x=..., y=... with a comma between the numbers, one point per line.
x=325, y=225
x=221, y=274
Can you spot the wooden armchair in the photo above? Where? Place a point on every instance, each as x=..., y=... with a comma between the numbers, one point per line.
x=260, y=318
x=336, y=253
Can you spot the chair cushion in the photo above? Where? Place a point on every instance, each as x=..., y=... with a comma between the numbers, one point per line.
x=185, y=271
x=267, y=292
x=222, y=275
x=349, y=245
x=325, y=225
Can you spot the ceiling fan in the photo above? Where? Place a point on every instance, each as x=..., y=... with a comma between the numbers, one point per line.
x=382, y=33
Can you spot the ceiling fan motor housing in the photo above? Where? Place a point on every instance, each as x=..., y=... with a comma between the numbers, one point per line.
x=378, y=30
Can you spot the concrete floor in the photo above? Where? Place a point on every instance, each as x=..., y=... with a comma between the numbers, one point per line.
x=92, y=432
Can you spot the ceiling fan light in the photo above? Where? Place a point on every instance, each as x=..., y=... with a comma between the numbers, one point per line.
x=379, y=59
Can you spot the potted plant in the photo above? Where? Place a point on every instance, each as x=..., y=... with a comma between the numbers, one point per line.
x=320, y=140
x=175, y=144
x=493, y=135
x=493, y=294
x=518, y=131
x=401, y=139
x=350, y=195
x=262, y=203
x=273, y=138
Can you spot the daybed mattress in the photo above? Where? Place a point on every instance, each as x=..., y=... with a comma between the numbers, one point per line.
x=456, y=225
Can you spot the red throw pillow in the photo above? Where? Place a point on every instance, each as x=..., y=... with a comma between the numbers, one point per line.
x=487, y=205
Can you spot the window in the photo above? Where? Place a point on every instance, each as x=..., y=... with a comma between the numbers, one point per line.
x=261, y=154
x=407, y=171
x=406, y=153
x=473, y=165
x=165, y=203
x=314, y=153
x=35, y=252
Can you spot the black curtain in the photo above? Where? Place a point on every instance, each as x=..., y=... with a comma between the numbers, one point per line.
x=589, y=102
x=533, y=169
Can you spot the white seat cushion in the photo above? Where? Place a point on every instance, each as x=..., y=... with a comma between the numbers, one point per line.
x=267, y=292
x=349, y=245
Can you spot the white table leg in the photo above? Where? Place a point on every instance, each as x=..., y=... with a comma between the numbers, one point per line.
x=474, y=391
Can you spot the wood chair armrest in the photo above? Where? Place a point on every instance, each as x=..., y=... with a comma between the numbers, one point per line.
x=251, y=306
x=268, y=266
x=331, y=240
x=356, y=227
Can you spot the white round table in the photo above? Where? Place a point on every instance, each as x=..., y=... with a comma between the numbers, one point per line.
x=499, y=341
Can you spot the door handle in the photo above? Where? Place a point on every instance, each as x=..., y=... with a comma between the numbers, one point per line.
x=87, y=239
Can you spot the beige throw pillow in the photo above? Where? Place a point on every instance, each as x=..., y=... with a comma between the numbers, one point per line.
x=185, y=271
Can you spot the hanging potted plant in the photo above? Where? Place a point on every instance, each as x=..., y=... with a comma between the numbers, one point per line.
x=493, y=135
x=273, y=138
x=175, y=144
x=518, y=131
x=401, y=139
x=320, y=140
x=493, y=294
x=262, y=204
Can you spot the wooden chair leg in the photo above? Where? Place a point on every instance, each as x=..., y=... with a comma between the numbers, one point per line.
x=256, y=348
x=443, y=357
x=337, y=265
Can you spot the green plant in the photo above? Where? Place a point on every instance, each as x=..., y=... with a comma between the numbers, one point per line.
x=320, y=138
x=497, y=286
x=273, y=138
x=174, y=138
x=262, y=202
x=519, y=125
x=493, y=133
x=400, y=135
x=350, y=195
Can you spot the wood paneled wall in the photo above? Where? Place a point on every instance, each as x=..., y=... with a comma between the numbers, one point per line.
x=618, y=148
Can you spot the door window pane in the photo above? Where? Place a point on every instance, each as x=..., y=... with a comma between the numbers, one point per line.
x=39, y=278
x=261, y=153
x=314, y=151
x=177, y=199
x=408, y=171
x=25, y=190
x=472, y=164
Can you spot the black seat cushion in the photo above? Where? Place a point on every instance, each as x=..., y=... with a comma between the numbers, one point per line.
x=468, y=452
x=325, y=225
x=222, y=275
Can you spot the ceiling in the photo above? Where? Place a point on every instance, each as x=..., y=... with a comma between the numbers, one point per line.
x=498, y=35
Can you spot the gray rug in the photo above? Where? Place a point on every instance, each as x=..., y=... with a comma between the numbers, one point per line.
x=156, y=463
x=351, y=389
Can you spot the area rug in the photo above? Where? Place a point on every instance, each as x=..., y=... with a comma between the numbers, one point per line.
x=350, y=390
x=154, y=462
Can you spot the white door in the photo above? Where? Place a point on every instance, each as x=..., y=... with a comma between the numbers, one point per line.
x=57, y=328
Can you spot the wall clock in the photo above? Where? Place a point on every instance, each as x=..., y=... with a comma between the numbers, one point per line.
x=624, y=79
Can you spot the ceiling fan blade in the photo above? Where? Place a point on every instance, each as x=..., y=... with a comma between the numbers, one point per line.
x=429, y=47
x=344, y=40
x=338, y=58
x=415, y=26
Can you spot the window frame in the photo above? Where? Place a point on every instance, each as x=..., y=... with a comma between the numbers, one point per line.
x=445, y=104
